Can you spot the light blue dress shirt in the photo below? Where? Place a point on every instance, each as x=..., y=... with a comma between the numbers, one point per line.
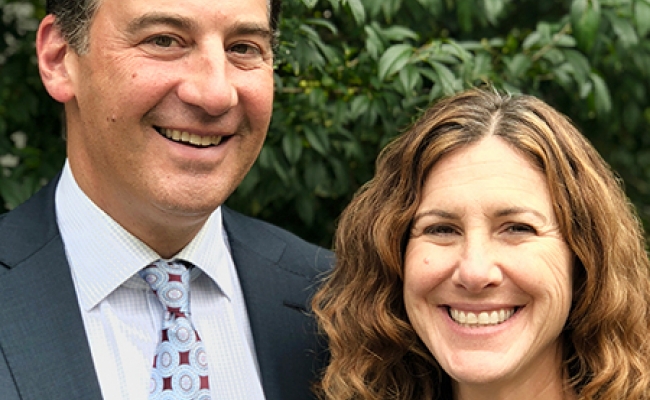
x=122, y=316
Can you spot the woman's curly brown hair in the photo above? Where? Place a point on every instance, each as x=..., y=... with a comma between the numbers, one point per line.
x=375, y=353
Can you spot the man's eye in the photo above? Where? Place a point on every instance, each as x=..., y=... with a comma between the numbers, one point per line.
x=162, y=41
x=243, y=48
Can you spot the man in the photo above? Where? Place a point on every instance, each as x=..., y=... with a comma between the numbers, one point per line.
x=167, y=105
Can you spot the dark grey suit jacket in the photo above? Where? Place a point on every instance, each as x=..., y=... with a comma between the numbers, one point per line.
x=44, y=350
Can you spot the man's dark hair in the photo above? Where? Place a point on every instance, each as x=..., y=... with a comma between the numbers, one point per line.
x=73, y=18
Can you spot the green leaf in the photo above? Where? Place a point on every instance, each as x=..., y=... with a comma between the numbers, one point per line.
x=532, y=40
x=409, y=78
x=341, y=179
x=453, y=48
x=390, y=7
x=373, y=7
x=315, y=173
x=554, y=56
x=318, y=140
x=329, y=52
x=435, y=93
x=305, y=208
x=394, y=59
x=565, y=41
x=631, y=116
x=602, y=97
x=518, y=65
x=323, y=23
x=545, y=30
x=15, y=192
x=464, y=10
x=562, y=75
x=309, y=32
x=267, y=156
x=282, y=172
x=578, y=8
x=482, y=66
x=359, y=106
x=358, y=11
x=642, y=17
x=580, y=66
x=374, y=45
x=250, y=181
x=398, y=33
x=493, y=9
x=624, y=30
x=446, y=79
x=586, y=22
x=435, y=7
x=292, y=147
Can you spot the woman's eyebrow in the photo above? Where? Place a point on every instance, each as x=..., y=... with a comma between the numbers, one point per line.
x=436, y=213
x=520, y=210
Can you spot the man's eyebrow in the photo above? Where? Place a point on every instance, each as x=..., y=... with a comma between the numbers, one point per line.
x=154, y=18
x=184, y=23
x=251, y=28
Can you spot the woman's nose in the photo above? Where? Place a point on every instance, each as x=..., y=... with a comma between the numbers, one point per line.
x=477, y=267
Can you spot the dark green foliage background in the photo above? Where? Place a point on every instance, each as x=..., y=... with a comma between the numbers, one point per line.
x=352, y=74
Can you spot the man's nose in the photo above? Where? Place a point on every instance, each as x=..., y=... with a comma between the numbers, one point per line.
x=209, y=84
x=477, y=266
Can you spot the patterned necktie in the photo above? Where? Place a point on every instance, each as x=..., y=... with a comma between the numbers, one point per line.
x=180, y=367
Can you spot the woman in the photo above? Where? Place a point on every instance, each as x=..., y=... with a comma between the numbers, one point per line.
x=493, y=255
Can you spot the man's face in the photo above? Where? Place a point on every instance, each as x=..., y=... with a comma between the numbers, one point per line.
x=171, y=106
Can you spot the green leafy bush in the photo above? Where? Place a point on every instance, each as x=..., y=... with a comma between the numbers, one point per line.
x=352, y=74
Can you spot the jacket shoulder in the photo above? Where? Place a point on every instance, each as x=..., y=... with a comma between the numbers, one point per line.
x=29, y=227
x=276, y=243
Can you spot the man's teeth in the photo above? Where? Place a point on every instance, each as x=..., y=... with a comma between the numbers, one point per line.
x=484, y=318
x=186, y=137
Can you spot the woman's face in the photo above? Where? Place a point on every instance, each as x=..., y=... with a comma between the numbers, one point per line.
x=488, y=277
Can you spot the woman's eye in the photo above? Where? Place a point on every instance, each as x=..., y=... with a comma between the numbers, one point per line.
x=521, y=228
x=440, y=230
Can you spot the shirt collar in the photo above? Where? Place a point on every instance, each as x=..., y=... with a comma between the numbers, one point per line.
x=103, y=255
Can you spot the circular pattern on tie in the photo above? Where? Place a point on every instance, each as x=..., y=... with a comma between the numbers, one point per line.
x=172, y=267
x=168, y=359
x=166, y=395
x=154, y=277
x=180, y=271
x=199, y=359
x=182, y=334
x=181, y=366
x=156, y=383
x=173, y=295
x=186, y=382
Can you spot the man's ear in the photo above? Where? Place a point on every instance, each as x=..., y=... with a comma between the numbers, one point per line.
x=52, y=50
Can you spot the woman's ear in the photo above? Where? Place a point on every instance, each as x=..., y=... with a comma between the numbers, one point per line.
x=52, y=50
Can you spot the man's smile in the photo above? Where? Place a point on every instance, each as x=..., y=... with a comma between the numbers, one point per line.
x=190, y=138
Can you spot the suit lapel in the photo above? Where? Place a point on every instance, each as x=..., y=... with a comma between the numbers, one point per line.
x=276, y=299
x=41, y=331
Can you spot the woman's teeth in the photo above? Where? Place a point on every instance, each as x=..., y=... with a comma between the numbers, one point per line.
x=484, y=318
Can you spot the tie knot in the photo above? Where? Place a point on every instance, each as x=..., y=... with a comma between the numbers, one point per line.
x=170, y=281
